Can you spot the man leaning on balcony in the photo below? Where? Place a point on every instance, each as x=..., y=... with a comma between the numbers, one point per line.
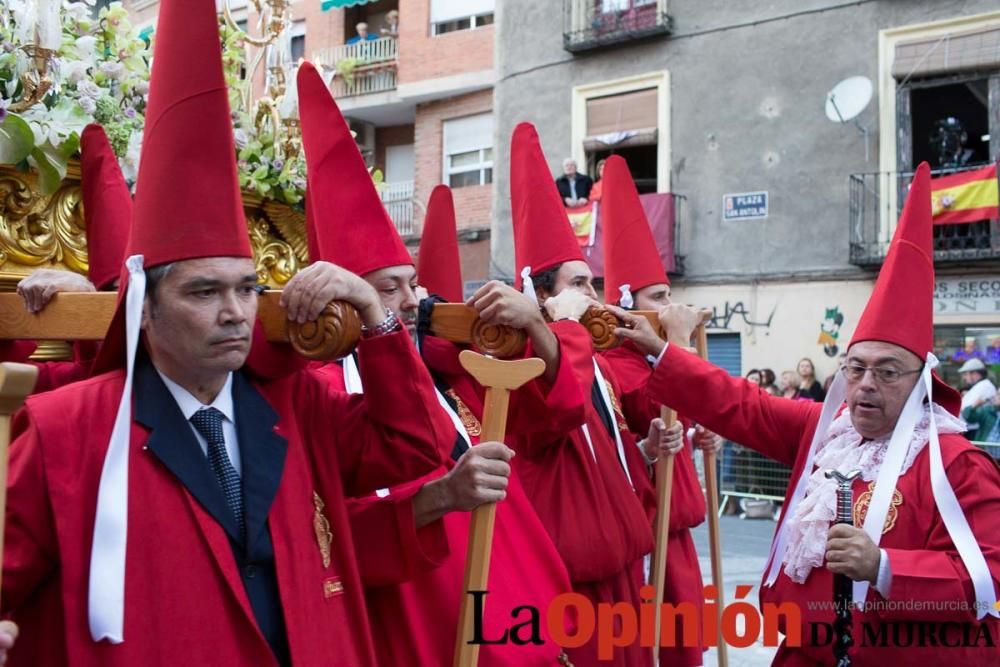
x=363, y=34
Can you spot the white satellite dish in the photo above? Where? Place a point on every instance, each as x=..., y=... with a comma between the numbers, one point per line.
x=848, y=98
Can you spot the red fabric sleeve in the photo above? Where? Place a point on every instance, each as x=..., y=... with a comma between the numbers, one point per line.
x=30, y=546
x=389, y=546
x=395, y=431
x=935, y=574
x=732, y=407
x=51, y=374
x=542, y=408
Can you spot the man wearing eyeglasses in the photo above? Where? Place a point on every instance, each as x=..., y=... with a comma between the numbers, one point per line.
x=924, y=551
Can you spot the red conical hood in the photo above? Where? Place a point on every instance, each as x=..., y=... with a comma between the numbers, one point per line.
x=900, y=310
x=630, y=254
x=543, y=236
x=350, y=226
x=187, y=201
x=438, y=267
x=107, y=207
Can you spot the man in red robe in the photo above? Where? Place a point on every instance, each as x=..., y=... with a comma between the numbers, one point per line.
x=107, y=209
x=924, y=551
x=172, y=510
x=415, y=615
x=634, y=277
x=585, y=483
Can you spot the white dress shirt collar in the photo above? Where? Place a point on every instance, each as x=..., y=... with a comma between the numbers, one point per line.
x=189, y=404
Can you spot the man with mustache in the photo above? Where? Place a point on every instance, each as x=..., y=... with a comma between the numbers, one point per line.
x=172, y=509
x=924, y=553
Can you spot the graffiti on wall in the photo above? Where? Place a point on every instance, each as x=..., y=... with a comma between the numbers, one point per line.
x=829, y=331
x=723, y=319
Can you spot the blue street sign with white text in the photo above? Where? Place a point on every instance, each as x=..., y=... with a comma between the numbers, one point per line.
x=745, y=206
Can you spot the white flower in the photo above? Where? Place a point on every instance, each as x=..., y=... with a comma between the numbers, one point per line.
x=74, y=71
x=240, y=138
x=88, y=104
x=89, y=89
x=77, y=11
x=113, y=70
x=86, y=48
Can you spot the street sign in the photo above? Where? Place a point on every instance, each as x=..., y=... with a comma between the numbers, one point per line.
x=744, y=206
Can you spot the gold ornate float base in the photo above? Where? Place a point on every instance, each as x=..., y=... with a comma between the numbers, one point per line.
x=39, y=231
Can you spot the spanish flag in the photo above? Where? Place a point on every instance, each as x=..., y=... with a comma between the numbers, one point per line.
x=968, y=196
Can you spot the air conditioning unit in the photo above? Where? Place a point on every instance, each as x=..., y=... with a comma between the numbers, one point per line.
x=364, y=135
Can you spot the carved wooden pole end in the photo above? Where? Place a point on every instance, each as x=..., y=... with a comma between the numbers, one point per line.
x=332, y=336
x=497, y=340
x=601, y=324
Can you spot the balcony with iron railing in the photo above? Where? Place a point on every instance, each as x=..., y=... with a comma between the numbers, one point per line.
x=398, y=201
x=593, y=24
x=876, y=199
x=361, y=68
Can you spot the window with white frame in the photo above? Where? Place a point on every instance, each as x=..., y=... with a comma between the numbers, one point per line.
x=452, y=15
x=298, y=40
x=468, y=150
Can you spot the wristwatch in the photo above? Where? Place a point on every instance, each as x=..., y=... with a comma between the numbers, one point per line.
x=389, y=325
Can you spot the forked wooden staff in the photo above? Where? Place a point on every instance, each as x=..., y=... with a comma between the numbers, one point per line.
x=714, y=537
x=16, y=382
x=664, y=489
x=499, y=378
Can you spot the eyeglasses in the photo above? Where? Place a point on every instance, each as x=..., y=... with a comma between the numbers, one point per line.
x=883, y=374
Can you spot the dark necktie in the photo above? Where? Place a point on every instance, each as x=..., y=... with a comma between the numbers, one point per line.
x=208, y=421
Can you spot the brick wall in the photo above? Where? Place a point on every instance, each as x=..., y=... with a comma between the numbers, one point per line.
x=424, y=56
x=472, y=203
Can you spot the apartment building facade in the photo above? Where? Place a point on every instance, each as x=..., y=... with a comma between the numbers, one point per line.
x=786, y=213
x=418, y=93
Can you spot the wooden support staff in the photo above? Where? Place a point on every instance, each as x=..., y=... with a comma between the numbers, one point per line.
x=664, y=488
x=714, y=537
x=16, y=382
x=499, y=378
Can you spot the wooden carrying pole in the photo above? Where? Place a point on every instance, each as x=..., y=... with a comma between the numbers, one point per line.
x=499, y=378
x=87, y=315
x=16, y=382
x=664, y=488
x=714, y=536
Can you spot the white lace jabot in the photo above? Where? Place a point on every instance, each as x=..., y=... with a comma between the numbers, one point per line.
x=842, y=449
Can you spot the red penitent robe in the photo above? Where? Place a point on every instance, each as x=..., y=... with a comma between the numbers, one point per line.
x=415, y=622
x=683, y=581
x=928, y=578
x=584, y=499
x=185, y=602
x=51, y=374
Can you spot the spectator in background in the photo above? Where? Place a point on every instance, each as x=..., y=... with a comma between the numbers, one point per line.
x=980, y=389
x=363, y=34
x=391, y=28
x=595, y=191
x=993, y=351
x=789, y=384
x=574, y=187
x=809, y=386
x=970, y=351
x=768, y=382
x=983, y=421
